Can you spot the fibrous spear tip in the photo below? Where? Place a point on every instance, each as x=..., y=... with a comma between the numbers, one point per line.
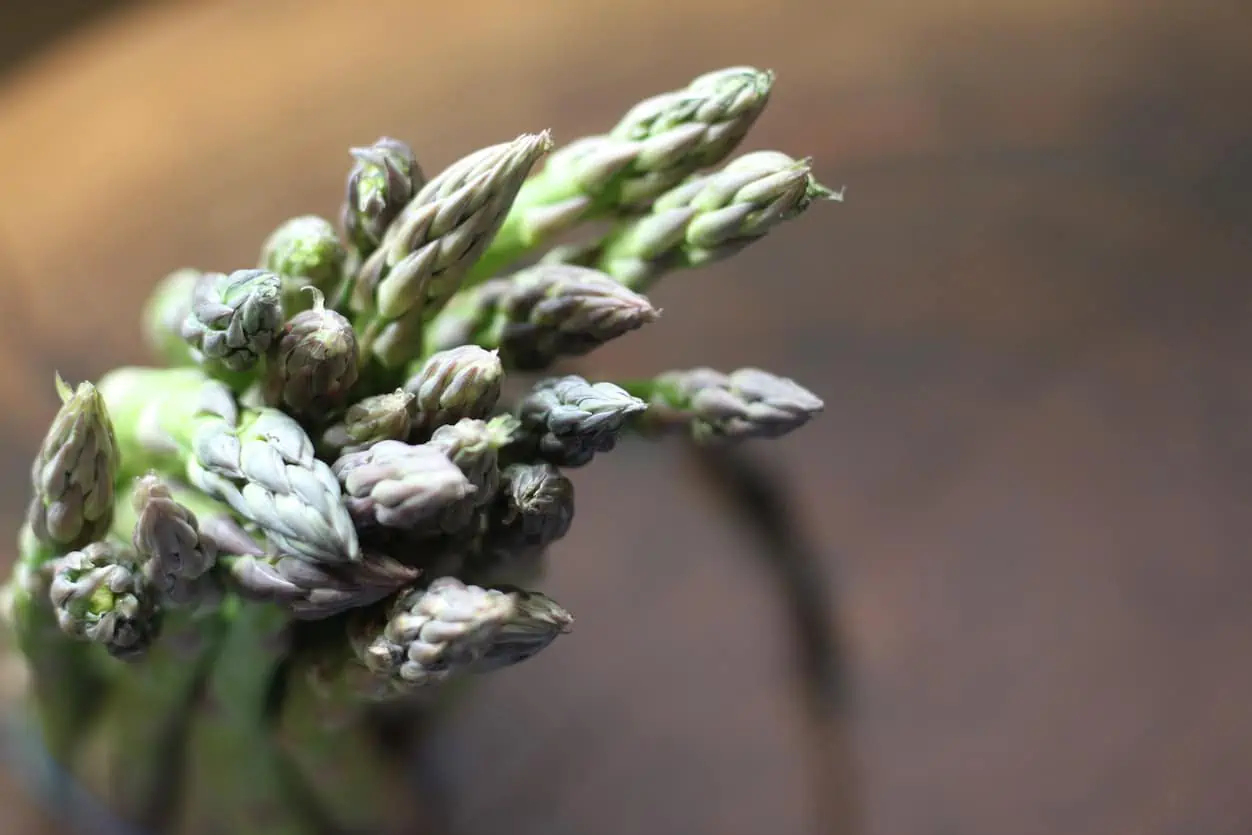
x=460, y=382
x=747, y=403
x=72, y=474
x=451, y=628
x=573, y=418
x=317, y=360
x=235, y=318
x=399, y=485
x=383, y=179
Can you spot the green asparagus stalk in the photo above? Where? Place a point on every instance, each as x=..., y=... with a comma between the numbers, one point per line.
x=657, y=144
x=358, y=787
x=239, y=780
x=539, y=315
x=64, y=675
x=139, y=748
x=433, y=242
x=714, y=407
x=165, y=311
x=260, y=463
x=569, y=419
x=304, y=252
x=706, y=219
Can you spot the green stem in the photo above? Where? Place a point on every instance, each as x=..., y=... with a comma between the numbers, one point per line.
x=237, y=779
x=67, y=685
x=514, y=241
x=141, y=748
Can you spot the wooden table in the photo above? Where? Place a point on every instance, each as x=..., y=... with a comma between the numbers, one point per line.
x=1030, y=322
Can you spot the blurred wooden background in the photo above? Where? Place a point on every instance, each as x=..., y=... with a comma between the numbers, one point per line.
x=1030, y=323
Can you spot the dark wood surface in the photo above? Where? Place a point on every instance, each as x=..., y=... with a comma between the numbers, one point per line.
x=1030, y=323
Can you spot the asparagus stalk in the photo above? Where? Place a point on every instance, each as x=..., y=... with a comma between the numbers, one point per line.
x=706, y=219
x=449, y=628
x=656, y=145
x=714, y=407
x=539, y=315
x=260, y=463
x=64, y=675
x=461, y=382
x=568, y=420
x=166, y=309
x=384, y=178
x=238, y=779
x=433, y=242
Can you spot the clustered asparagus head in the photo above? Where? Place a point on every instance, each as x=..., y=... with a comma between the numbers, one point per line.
x=101, y=594
x=334, y=436
x=72, y=477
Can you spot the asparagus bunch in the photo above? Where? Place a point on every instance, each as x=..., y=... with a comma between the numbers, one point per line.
x=334, y=489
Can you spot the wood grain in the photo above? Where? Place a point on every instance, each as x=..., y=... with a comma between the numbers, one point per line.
x=1029, y=321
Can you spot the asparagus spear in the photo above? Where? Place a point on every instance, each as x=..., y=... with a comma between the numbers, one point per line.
x=382, y=417
x=72, y=505
x=716, y=407
x=260, y=463
x=539, y=315
x=706, y=219
x=450, y=628
x=238, y=780
x=569, y=420
x=657, y=144
x=384, y=178
x=314, y=364
x=461, y=382
x=432, y=243
x=233, y=320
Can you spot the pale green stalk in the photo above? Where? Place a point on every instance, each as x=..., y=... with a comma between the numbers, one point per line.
x=657, y=144
x=260, y=463
x=238, y=778
x=706, y=219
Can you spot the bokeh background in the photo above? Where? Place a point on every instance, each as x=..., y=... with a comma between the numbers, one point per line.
x=1031, y=323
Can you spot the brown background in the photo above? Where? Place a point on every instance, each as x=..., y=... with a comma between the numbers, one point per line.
x=1030, y=323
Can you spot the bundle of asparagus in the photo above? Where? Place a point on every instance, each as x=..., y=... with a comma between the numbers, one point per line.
x=324, y=499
